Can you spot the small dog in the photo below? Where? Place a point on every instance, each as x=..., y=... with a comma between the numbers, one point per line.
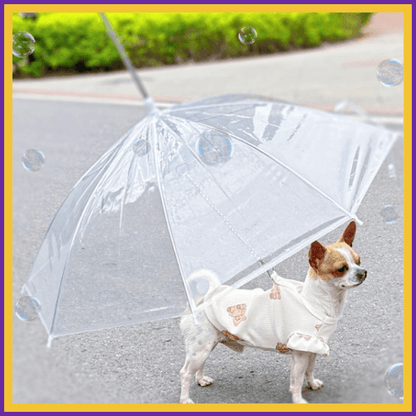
x=291, y=318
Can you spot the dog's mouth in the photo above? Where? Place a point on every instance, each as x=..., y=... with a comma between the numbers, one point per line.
x=352, y=285
x=355, y=281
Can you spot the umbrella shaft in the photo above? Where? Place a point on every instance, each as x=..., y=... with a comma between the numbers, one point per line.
x=125, y=58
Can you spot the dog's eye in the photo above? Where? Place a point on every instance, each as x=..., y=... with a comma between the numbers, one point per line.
x=343, y=269
x=359, y=261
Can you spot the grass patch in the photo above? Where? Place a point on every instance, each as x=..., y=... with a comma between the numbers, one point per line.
x=78, y=42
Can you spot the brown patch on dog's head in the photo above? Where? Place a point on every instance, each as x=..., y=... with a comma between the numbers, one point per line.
x=349, y=234
x=317, y=254
x=327, y=262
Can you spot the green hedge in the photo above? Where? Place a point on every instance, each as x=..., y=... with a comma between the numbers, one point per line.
x=77, y=42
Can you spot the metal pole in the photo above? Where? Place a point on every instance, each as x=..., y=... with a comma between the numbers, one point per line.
x=126, y=61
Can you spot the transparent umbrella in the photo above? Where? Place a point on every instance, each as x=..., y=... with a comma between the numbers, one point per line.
x=233, y=183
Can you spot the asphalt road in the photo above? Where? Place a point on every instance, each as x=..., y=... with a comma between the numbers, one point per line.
x=141, y=363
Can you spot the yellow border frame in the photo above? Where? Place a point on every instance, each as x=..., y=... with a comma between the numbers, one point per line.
x=9, y=406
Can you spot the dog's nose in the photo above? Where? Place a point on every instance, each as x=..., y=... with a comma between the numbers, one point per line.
x=362, y=275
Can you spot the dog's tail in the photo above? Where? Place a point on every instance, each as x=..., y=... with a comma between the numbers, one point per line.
x=203, y=282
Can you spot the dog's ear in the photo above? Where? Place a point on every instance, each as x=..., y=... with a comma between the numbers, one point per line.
x=349, y=234
x=316, y=254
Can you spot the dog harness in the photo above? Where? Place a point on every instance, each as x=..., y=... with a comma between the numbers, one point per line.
x=280, y=319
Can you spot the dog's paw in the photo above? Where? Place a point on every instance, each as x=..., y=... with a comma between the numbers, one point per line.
x=186, y=401
x=205, y=381
x=316, y=384
x=299, y=400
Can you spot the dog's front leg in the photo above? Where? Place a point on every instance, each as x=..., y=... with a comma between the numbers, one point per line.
x=299, y=362
x=312, y=382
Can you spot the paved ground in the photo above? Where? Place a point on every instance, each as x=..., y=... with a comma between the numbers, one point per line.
x=123, y=365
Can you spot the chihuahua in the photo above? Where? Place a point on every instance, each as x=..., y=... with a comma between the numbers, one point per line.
x=292, y=317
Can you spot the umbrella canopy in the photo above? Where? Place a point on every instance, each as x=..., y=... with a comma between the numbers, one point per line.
x=234, y=184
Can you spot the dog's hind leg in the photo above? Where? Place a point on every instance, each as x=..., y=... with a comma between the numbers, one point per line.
x=202, y=380
x=194, y=366
x=199, y=342
x=187, y=372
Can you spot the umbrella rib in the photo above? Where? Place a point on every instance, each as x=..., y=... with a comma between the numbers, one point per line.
x=103, y=177
x=227, y=221
x=276, y=260
x=193, y=108
x=251, y=250
x=281, y=130
x=210, y=115
x=199, y=162
x=58, y=298
x=370, y=179
x=123, y=202
x=351, y=215
x=50, y=226
x=242, y=116
x=208, y=106
x=221, y=104
x=162, y=197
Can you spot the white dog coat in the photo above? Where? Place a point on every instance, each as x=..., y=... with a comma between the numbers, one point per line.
x=280, y=319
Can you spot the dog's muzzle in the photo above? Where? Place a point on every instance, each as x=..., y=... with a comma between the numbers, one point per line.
x=359, y=277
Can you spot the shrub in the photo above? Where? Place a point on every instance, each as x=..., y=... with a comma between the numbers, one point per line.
x=77, y=42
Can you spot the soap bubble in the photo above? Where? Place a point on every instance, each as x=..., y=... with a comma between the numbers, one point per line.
x=27, y=308
x=247, y=35
x=23, y=44
x=141, y=147
x=28, y=15
x=33, y=160
x=214, y=147
x=393, y=380
x=389, y=214
x=390, y=73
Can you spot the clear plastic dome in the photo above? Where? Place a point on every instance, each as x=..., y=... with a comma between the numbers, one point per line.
x=234, y=184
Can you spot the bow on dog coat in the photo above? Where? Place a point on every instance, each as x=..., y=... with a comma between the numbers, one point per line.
x=279, y=319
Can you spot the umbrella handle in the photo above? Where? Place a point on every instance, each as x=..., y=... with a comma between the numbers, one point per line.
x=148, y=101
